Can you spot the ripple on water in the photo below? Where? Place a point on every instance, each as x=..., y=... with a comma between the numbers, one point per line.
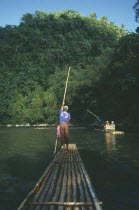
x=112, y=162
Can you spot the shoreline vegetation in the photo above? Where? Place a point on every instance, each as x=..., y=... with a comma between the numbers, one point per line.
x=42, y=125
x=119, y=126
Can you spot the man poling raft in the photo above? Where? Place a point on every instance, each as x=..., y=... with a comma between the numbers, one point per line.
x=64, y=117
x=64, y=130
x=107, y=127
x=98, y=119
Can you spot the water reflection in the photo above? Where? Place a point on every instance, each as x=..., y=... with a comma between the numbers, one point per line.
x=110, y=140
x=110, y=160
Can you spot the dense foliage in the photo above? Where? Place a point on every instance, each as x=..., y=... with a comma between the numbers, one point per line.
x=136, y=8
x=35, y=57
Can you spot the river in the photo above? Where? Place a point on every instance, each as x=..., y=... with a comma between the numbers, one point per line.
x=112, y=162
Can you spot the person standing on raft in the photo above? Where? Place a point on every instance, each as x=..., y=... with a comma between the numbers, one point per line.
x=64, y=118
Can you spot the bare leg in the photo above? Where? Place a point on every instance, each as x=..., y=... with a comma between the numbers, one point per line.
x=62, y=136
x=66, y=136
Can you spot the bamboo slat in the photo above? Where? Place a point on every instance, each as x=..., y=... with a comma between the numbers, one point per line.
x=58, y=186
x=92, y=191
x=74, y=184
x=62, y=203
x=24, y=204
x=69, y=193
x=52, y=186
x=65, y=185
x=47, y=185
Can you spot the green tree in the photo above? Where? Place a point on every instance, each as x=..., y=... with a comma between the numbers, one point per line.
x=35, y=57
x=136, y=9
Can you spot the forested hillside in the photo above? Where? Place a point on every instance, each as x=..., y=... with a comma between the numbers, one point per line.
x=35, y=57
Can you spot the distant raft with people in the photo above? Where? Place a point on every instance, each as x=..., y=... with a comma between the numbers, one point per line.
x=111, y=128
x=64, y=185
x=117, y=132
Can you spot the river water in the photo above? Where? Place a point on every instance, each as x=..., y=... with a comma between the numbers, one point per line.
x=112, y=162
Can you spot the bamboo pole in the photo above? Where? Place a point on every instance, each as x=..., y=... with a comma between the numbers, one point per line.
x=55, y=146
x=81, y=193
x=47, y=185
x=74, y=183
x=43, y=183
x=87, y=196
x=79, y=181
x=58, y=186
x=52, y=186
x=64, y=186
x=67, y=176
x=62, y=203
x=79, y=171
x=37, y=186
x=40, y=191
x=66, y=86
x=92, y=191
x=69, y=186
x=63, y=102
x=69, y=191
x=92, y=113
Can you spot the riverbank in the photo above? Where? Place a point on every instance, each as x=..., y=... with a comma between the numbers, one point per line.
x=119, y=126
x=40, y=125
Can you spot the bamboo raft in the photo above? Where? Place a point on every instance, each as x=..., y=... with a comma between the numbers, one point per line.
x=65, y=184
x=110, y=131
x=117, y=132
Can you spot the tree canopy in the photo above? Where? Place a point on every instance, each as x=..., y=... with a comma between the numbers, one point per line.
x=136, y=9
x=34, y=60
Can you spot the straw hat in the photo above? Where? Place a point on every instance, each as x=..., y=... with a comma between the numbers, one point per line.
x=65, y=108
